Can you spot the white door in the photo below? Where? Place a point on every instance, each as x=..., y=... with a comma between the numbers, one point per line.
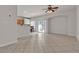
x=58, y=25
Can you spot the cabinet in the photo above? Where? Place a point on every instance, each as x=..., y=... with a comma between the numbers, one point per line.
x=20, y=21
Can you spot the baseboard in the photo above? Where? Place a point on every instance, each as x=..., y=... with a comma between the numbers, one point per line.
x=8, y=43
x=64, y=34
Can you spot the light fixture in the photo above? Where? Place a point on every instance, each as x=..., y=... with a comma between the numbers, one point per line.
x=50, y=9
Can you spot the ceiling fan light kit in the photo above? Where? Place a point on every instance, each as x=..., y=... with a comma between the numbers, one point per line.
x=51, y=9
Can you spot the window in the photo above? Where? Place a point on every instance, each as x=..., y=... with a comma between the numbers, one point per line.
x=26, y=21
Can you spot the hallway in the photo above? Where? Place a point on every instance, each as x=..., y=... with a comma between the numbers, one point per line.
x=43, y=43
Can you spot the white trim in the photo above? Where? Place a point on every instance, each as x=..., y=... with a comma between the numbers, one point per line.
x=8, y=43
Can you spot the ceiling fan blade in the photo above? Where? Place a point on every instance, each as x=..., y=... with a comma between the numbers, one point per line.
x=53, y=10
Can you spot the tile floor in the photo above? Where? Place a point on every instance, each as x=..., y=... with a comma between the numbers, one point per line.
x=43, y=43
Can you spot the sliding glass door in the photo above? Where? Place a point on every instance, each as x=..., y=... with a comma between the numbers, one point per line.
x=39, y=25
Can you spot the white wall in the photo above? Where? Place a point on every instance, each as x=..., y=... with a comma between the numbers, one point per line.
x=58, y=24
x=72, y=20
x=78, y=22
x=70, y=17
x=7, y=24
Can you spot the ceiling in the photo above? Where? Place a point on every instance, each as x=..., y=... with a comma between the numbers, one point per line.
x=36, y=10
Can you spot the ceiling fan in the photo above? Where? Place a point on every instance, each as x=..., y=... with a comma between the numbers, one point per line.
x=50, y=9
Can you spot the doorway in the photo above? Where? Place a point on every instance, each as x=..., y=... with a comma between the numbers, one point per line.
x=39, y=25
